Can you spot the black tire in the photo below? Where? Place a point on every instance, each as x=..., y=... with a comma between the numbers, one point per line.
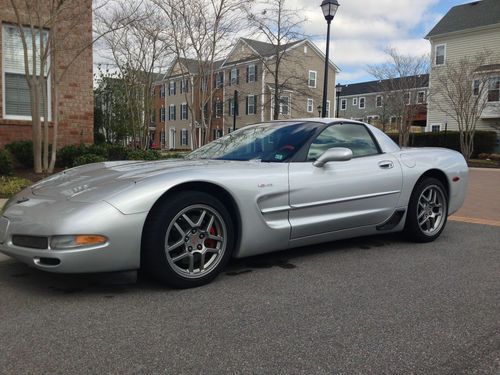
x=413, y=230
x=154, y=259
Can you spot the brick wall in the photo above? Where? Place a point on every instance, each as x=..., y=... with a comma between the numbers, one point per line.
x=74, y=51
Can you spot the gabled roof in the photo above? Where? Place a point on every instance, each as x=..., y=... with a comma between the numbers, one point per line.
x=190, y=64
x=268, y=49
x=468, y=16
x=421, y=81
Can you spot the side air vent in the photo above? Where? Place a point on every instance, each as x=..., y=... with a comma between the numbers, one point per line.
x=393, y=221
x=32, y=242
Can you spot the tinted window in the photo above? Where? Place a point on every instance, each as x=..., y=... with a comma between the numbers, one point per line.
x=274, y=142
x=354, y=137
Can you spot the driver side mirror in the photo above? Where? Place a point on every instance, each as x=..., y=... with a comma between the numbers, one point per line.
x=333, y=154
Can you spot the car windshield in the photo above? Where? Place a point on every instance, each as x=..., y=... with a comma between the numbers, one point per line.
x=270, y=142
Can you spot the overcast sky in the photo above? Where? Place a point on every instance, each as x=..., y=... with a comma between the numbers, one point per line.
x=363, y=28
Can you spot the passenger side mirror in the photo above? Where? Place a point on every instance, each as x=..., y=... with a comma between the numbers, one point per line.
x=334, y=154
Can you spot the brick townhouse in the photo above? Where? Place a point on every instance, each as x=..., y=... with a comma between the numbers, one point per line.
x=246, y=70
x=74, y=53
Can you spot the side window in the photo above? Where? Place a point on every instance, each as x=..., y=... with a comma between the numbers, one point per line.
x=352, y=136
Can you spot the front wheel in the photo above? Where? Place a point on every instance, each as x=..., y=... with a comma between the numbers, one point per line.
x=427, y=211
x=188, y=240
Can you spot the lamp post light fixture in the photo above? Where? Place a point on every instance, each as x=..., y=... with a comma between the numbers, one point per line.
x=319, y=110
x=338, y=91
x=329, y=8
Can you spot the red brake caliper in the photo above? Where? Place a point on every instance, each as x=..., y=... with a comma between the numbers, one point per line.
x=211, y=243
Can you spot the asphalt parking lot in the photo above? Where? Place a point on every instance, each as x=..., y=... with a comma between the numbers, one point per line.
x=376, y=305
x=373, y=305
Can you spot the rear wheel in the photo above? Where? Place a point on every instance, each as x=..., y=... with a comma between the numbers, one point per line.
x=427, y=211
x=188, y=240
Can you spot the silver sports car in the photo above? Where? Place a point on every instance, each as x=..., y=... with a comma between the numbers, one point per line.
x=265, y=187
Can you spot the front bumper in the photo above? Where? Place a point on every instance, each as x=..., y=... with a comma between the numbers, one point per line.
x=45, y=217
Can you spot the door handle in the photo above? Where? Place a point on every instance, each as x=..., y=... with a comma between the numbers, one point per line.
x=386, y=164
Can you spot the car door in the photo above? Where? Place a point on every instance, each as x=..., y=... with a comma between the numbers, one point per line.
x=345, y=194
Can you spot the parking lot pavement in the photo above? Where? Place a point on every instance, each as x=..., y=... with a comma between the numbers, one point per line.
x=482, y=205
x=372, y=305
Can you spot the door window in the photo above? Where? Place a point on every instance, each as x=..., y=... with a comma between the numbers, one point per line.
x=352, y=136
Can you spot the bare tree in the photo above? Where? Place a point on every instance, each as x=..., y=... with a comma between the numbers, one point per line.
x=281, y=27
x=400, y=77
x=138, y=48
x=202, y=32
x=461, y=91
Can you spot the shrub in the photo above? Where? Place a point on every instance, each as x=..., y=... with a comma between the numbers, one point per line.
x=88, y=159
x=66, y=155
x=484, y=141
x=23, y=152
x=117, y=152
x=173, y=155
x=12, y=185
x=495, y=157
x=5, y=163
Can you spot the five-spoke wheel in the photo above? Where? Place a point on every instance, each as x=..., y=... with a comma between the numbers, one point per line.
x=187, y=240
x=427, y=211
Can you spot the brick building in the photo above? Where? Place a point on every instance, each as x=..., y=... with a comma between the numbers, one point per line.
x=73, y=48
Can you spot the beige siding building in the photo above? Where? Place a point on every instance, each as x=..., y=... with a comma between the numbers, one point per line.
x=248, y=70
x=467, y=30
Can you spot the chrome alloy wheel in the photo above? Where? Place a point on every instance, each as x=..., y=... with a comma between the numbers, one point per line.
x=431, y=210
x=195, y=241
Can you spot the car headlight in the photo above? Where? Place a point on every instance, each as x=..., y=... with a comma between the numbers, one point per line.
x=76, y=241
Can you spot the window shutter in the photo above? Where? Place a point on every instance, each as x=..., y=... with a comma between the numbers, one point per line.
x=175, y=89
x=237, y=76
x=255, y=103
x=246, y=107
x=187, y=85
x=256, y=79
x=248, y=68
x=222, y=78
x=175, y=112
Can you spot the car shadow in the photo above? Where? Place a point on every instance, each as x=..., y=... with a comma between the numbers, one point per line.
x=28, y=280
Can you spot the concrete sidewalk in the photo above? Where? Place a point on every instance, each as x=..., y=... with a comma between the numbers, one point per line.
x=482, y=205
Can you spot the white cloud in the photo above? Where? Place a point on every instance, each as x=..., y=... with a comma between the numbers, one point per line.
x=362, y=30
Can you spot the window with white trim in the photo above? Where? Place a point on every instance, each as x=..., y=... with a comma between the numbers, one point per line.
x=435, y=128
x=162, y=114
x=421, y=97
x=234, y=76
x=219, y=108
x=379, y=101
x=440, y=54
x=362, y=103
x=313, y=75
x=162, y=91
x=171, y=88
x=16, y=92
x=310, y=105
x=251, y=73
x=284, y=105
x=494, y=89
x=343, y=104
x=251, y=99
x=184, y=111
x=355, y=101
x=406, y=98
x=172, y=116
x=184, y=137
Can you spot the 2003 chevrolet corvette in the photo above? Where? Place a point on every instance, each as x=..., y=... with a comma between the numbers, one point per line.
x=265, y=187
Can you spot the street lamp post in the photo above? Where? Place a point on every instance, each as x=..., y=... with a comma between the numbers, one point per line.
x=329, y=8
x=319, y=110
x=338, y=91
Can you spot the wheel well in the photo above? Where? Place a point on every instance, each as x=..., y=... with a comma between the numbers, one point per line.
x=439, y=175
x=206, y=187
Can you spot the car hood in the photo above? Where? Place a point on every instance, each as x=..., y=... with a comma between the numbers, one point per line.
x=99, y=181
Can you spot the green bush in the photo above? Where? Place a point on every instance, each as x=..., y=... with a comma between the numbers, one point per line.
x=12, y=185
x=484, y=141
x=143, y=155
x=88, y=159
x=117, y=152
x=23, y=152
x=5, y=163
x=66, y=155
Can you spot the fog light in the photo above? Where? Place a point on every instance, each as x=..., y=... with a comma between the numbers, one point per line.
x=72, y=242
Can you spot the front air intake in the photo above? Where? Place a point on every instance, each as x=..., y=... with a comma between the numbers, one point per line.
x=32, y=242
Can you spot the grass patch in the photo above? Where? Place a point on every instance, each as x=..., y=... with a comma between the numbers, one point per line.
x=10, y=186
